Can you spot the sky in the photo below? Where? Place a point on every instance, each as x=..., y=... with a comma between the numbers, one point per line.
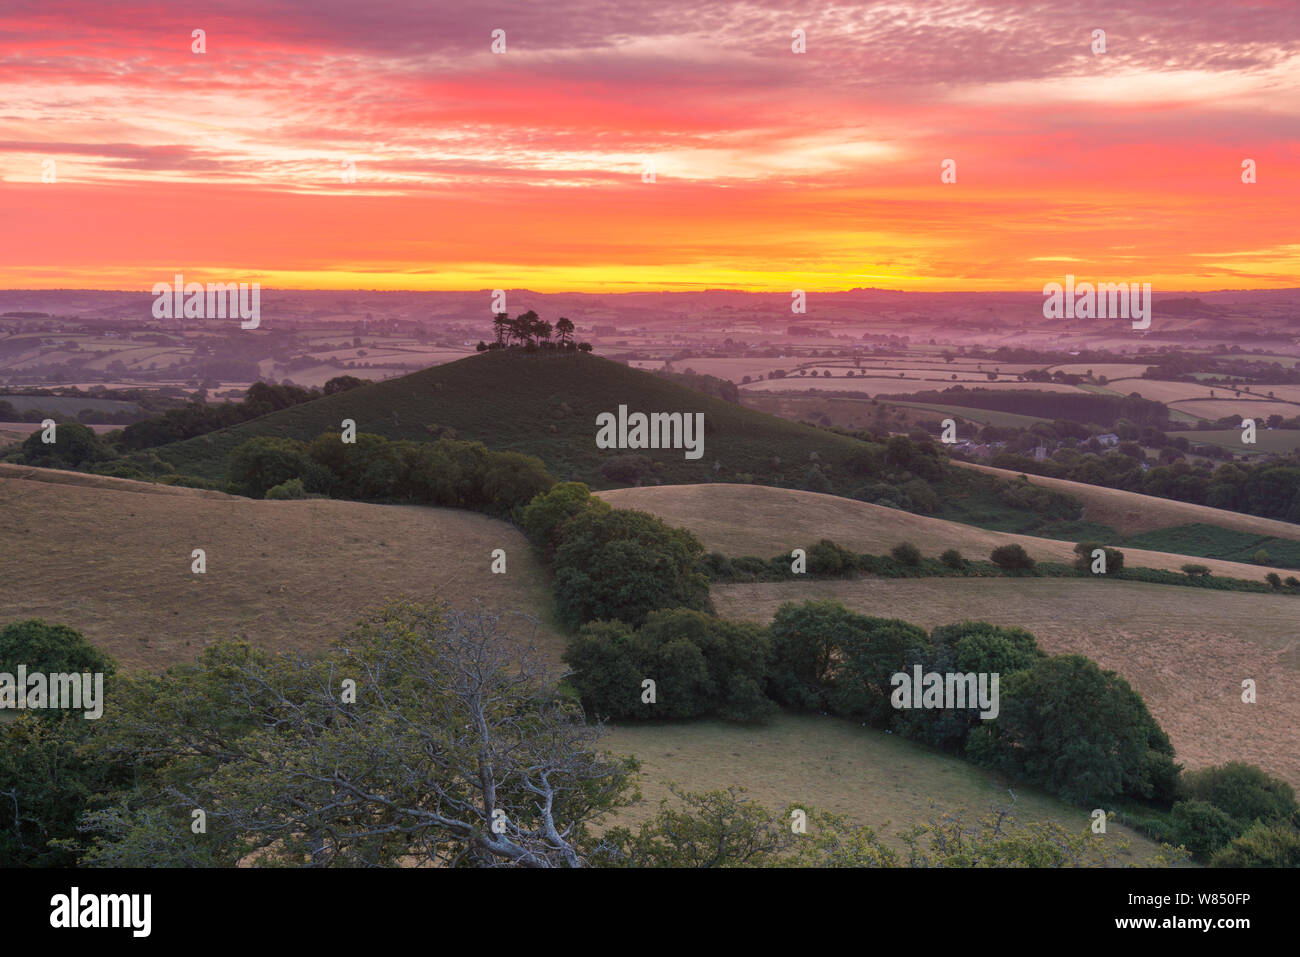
x=127, y=157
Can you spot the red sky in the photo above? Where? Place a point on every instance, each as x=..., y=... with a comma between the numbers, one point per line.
x=773, y=170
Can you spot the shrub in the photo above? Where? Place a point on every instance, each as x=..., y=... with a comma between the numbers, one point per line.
x=1274, y=580
x=1084, y=559
x=1201, y=827
x=1261, y=557
x=625, y=564
x=1104, y=744
x=285, y=490
x=1263, y=845
x=1011, y=557
x=952, y=558
x=49, y=648
x=1192, y=570
x=905, y=553
x=827, y=558
x=1242, y=791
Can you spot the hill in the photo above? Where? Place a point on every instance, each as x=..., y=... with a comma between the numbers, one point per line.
x=111, y=558
x=544, y=405
x=1132, y=512
x=114, y=562
x=756, y=520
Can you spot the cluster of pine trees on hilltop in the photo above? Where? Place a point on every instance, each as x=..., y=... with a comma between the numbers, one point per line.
x=532, y=333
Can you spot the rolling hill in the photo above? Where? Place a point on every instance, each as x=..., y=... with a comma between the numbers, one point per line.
x=111, y=558
x=1132, y=512
x=762, y=521
x=542, y=405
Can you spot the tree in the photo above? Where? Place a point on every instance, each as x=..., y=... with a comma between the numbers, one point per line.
x=1011, y=557
x=501, y=328
x=544, y=517
x=266, y=461
x=905, y=553
x=75, y=446
x=50, y=649
x=625, y=564
x=1243, y=792
x=1263, y=845
x=564, y=330
x=458, y=750
x=1079, y=731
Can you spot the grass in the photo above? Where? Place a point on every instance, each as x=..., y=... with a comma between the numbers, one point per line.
x=1008, y=420
x=1131, y=513
x=1185, y=651
x=756, y=520
x=1267, y=441
x=111, y=558
x=1214, y=542
x=830, y=764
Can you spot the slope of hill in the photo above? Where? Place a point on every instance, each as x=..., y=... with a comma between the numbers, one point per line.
x=112, y=558
x=756, y=520
x=543, y=405
x=1132, y=512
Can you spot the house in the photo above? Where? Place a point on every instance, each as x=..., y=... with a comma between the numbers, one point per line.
x=1108, y=438
x=1040, y=453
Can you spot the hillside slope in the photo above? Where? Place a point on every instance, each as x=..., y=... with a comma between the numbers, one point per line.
x=1132, y=512
x=756, y=520
x=111, y=558
x=543, y=405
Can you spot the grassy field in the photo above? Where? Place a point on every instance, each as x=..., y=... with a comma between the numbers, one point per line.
x=1267, y=441
x=534, y=405
x=834, y=765
x=982, y=416
x=1185, y=651
x=1130, y=513
x=1215, y=542
x=111, y=558
x=756, y=520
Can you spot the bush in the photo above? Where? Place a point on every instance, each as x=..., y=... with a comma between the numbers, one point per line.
x=1263, y=845
x=625, y=564
x=1261, y=557
x=905, y=553
x=544, y=517
x=265, y=462
x=952, y=558
x=1201, y=827
x=1192, y=570
x=1081, y=732
x=1012, y=557
x=286, y=490
x=1274, y=580
x=827, y=558
x=1083, y=560
x=75, y=446
x=49, y=648
x=702, y=667
x=1243, y=792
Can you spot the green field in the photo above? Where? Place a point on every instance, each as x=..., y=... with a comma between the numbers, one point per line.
x=66, y=405
x=982, y=416
x=1267, y=441
x=1209, y=541
x=830, y=764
